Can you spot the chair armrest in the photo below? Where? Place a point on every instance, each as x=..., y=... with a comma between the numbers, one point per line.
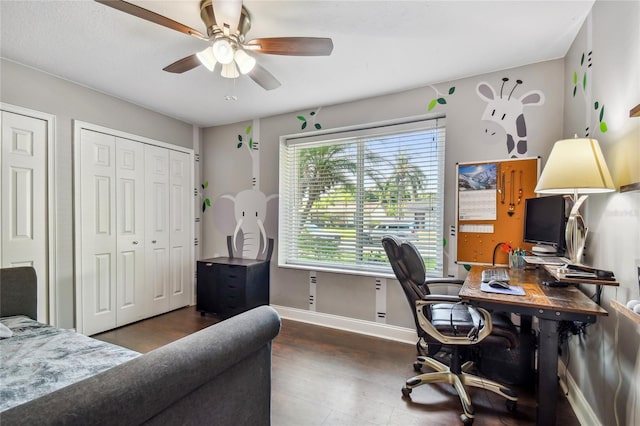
x=448, y=281
x=470, y=339
x=441, y=298
x=441, y=285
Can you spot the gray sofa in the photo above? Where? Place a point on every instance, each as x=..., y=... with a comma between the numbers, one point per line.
x=218, y=376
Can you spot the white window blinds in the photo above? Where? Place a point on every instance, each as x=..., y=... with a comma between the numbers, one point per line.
x=340, y=192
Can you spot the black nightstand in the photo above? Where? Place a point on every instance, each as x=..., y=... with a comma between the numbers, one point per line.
x=228, y=286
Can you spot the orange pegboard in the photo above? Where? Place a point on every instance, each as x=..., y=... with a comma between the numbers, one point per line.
x=490, y=207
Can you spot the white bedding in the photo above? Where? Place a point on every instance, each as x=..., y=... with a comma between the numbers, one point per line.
x=39, y=359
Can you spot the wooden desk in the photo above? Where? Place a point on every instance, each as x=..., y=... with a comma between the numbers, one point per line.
x=551, y=305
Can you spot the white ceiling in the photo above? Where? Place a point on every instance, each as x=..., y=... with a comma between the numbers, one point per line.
x=380, y=47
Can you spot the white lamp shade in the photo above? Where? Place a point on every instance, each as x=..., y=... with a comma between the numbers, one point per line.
x=244, y=61
x=575, y=166
x=207, y=59
x=230, y=70
x=223, y=51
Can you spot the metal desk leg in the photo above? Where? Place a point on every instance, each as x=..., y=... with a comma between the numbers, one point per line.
x=527, y=349
x=547, y=373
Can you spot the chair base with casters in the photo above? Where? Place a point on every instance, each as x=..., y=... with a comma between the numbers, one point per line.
x=444, y=322
x=459, y=377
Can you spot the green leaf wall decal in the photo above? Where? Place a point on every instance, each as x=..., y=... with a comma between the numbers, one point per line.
x=603, y=127
x=602, y=113
x=317, y=126
x=248, y=130
x=574, y=91
x=432, y=104
x=442, y=101
x=240, y=138
x=584, y=81
x=451, y=90
x=595, y=106
x=301, y=118
x=239, y=145
x=304, y=125
x=575, y=77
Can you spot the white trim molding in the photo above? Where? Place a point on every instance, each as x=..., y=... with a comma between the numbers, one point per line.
x=369, y=328
x=581, y=407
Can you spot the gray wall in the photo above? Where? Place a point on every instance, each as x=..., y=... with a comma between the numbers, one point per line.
x=29, y=88
x=228, y=170
x=599, y=363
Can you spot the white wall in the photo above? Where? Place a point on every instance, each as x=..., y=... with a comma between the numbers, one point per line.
x=228, y=170
x=598, y=365
x=29, y=88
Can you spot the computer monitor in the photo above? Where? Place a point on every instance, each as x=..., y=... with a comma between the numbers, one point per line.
x=544, y=224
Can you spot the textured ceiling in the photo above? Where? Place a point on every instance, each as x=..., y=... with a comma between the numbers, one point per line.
x=380, y=47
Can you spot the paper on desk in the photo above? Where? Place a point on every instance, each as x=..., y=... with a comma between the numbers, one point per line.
x=513, y=290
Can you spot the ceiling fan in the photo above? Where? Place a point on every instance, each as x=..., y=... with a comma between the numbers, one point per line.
x=228, y=23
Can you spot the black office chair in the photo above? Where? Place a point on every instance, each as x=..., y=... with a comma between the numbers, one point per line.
x=443, y=321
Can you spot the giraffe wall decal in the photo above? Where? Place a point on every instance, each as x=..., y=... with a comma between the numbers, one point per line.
x=508, y=112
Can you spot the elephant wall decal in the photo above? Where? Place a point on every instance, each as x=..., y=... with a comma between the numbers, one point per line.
x=250, y=218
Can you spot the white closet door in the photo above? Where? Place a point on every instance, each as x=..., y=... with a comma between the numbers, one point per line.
x=180, y=236
x=157, y=228
x=98, y=250
x=23, y=180
x=130, y=284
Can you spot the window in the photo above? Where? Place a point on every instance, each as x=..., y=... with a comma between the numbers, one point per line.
x=342, y=191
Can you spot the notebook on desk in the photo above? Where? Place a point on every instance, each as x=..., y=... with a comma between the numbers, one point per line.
x=546, y=260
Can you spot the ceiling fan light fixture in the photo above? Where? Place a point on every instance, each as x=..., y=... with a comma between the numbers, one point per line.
x=230, y=70
x=207, y=59
x=245, y=62
x=223, y=51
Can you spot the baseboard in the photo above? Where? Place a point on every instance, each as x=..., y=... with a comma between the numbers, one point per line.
x=581, y=408
x=369, y=328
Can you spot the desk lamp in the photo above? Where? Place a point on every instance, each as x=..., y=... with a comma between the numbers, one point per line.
x=575, y=166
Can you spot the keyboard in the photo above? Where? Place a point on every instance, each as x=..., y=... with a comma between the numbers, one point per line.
x=495, y=274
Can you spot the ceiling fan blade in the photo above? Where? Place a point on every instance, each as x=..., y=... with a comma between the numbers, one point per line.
x=296, y=46
x=227, y=12
x=184, y=64
x=142, y=13
x=264, y=78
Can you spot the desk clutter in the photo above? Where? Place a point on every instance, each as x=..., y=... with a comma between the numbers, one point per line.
x=581, y=274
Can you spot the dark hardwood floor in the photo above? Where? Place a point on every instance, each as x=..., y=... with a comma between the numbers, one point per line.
x=323, y=376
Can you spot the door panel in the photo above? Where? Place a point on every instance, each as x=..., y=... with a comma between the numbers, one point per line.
x=98, y=241
x=157, y=227
x=23, y=181
x=181, y=240
x=130, y=286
